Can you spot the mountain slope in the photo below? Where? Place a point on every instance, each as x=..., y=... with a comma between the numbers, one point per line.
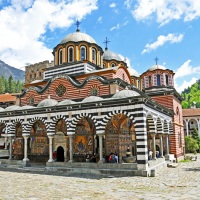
x=191, y=95
x=6, y=70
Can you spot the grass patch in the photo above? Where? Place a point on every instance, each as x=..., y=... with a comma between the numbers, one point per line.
x=184, y=161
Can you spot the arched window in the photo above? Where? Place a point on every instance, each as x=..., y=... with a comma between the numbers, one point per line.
x=150, y=83
x=113, y=65
x=60, y=57
x=70, y=54
x=83, y=53
x=94, y=55
x=158, y=80
x=167, y=79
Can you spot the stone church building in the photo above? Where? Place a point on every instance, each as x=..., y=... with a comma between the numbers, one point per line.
x=87, y=101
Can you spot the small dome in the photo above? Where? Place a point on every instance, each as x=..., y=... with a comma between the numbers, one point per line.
x=125, y=94
x=133, y=72
x=66, y=102
x=47, y=102
x=26, y=107
x=77, y=37
x=154, y=67
x=1, y=109
x=91, y=99
x=11, y=108
x=109, y=55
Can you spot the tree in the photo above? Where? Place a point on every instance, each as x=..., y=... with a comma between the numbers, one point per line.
x=191, y=145
x=2, y=85
x=195, y=135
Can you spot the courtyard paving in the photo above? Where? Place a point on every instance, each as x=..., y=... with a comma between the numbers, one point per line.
x=181, y=183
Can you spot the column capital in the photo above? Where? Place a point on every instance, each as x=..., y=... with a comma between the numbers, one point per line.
x=50, y=134
x=70, y=135
x=160, y=135
x=8, y=135
x=100, y=134
x=153, y=134
x=26, y=135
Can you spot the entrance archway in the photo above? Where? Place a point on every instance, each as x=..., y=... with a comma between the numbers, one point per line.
x=60, y=154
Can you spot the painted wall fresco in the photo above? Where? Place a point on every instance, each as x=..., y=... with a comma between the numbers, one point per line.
x=18, y=143
x=38, y=142
x=84, y=137
x=61, y=126
x=119, y=132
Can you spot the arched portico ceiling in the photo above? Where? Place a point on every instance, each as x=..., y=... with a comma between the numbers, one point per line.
x=170, y=128
x=12, y=128
x=78, y=117
x=159, y=126
x=55, y=121
x=28, y=127
x=166, y=129
x=150, y=124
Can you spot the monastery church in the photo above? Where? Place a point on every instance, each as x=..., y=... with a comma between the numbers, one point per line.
x=87, y=101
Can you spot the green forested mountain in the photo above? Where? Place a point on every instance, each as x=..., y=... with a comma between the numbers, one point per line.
x=8, y=85
x=190, y=95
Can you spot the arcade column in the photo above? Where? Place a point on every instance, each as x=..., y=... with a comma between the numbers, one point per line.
x=101, y=135
x=71, y=148
x=153, y=136
x=50, y=136
x=10, y=137
x=167, y=143
x=161, y=145
x=26, y=161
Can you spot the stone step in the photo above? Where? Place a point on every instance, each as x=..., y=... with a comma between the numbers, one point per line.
x=172, y=165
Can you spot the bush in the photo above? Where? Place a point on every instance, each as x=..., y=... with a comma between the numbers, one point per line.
x=191, y=145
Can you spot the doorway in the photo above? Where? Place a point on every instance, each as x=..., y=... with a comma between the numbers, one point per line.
x=60, y=154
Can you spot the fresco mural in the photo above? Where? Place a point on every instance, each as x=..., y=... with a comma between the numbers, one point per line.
x=61, y=126
x=119, y=134
x=18, y=143
x=38, y=141
x=84, y=138
x=2, y=131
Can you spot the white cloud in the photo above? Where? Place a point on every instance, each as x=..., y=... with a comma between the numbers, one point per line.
x=24, y=24
x=186, y=69
x=115, y=27
x=161, y=40
x=185, y=84
x=100, y=19
x=112, y=5
x=166, y=10
x=128, y=3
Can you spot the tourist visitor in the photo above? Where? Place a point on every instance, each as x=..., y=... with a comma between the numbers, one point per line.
x=150, y=154
x=55, y=156
x=116, y=158
x=94, y=158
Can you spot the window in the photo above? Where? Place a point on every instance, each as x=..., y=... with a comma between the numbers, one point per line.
x=60, y=57
x=70, y=54
x=94, y=92
x=123, y=77
x=158, y=80
x=167, y=79
x=83, y=53
x=60, y=90
x=150, y=81
x=94, y=56
x=31, y=100
x=104, y=65
x=113, y=65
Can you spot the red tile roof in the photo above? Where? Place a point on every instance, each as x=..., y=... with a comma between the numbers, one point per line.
x=7, y=98
x=191, y=112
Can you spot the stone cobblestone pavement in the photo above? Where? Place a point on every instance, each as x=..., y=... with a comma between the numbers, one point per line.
x=181, y=183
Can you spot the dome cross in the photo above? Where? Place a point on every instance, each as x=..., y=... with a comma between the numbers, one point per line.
x=106, y=43
x=77, y=24
x=156, y=59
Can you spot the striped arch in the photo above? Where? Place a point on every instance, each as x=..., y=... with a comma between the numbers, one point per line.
x=28, y=127
x=77, y=118
x=171, y=128
x=159, y=126
x=107, y=118
x=166, y=127
x=12, y=128
x=150, y=124
x=54, y=122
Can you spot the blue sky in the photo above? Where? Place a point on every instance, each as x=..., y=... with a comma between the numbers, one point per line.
x=139, y=30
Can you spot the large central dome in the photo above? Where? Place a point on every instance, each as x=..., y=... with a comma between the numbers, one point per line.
x=77, y=37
